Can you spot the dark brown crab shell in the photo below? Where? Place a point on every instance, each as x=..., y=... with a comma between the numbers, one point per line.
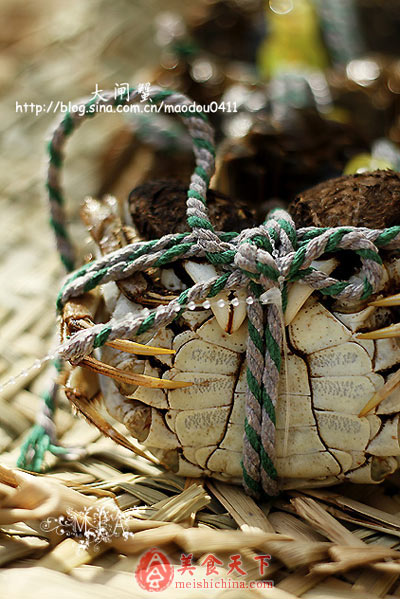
x=369, y=200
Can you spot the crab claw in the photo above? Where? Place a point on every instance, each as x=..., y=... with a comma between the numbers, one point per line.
x=229, y=317
x=142, y=380
x=390, y=300
x=380, y=395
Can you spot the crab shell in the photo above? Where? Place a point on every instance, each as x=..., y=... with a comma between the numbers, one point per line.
x=328, y=376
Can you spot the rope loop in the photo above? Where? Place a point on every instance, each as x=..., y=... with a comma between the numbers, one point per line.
x=202, y=135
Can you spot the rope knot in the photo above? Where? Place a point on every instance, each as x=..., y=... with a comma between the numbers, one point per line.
x=260, y=249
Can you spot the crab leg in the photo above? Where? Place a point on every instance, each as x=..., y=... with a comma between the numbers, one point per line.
x=390, y=300
x=392, y=330
x=131, y=378
x=78, y=314
x=85, y=403
x=105, y=227
x=130, y=347
x=299, y=292
x=380, y=395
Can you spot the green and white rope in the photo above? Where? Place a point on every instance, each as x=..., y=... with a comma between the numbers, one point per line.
x=203, y=145
x=263, y=260
x=43, y=436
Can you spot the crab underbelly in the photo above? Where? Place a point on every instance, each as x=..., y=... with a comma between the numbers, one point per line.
x=330, y=377
x=320, y=439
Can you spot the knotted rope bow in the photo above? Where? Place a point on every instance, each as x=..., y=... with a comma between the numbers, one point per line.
x=261, y=259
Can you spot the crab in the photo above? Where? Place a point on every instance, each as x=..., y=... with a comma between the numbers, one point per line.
x=181, y=391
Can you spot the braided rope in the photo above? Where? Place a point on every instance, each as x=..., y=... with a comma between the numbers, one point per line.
x=263, y=260
x=43, y=436
x=203, y=146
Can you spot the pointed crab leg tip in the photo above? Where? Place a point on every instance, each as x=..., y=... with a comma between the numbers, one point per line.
x=131, y=378
x=171, y=384
x=299, y=292
x=392, y=330
x=390, y=300
x=373, y=403
x=382, y=394
x=131, y=347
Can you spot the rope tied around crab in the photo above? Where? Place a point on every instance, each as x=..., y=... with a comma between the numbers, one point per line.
x=264, y=260
x=261, y=259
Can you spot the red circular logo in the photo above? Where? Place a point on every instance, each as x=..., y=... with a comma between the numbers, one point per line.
x=154, y=571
